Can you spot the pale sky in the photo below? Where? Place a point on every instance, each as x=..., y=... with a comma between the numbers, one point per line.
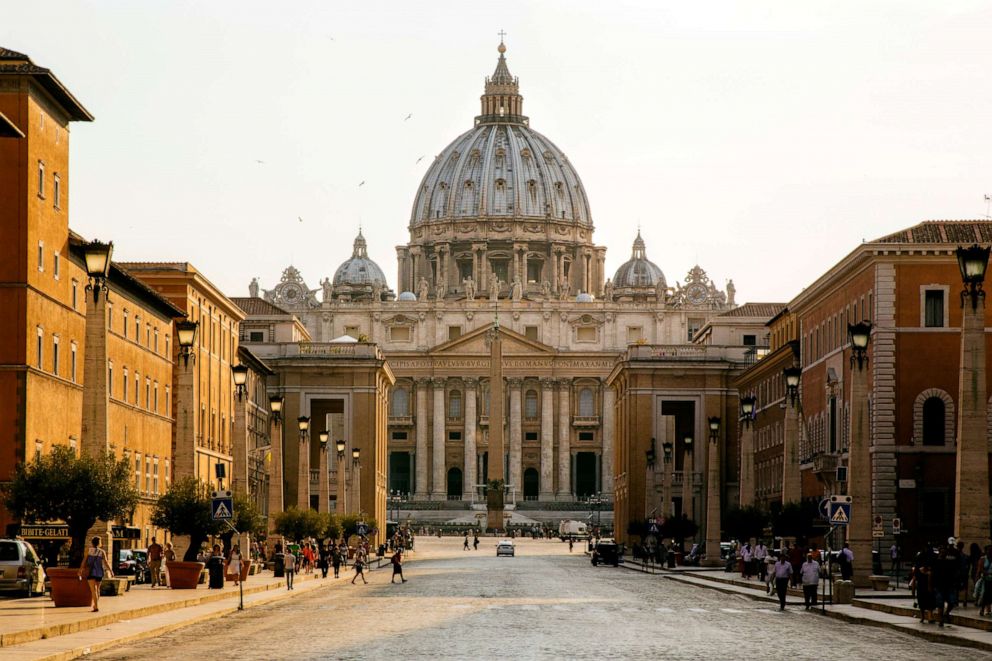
x=763, y=140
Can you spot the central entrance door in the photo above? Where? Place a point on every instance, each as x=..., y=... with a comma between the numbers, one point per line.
x=454, y=484
x=532, y=484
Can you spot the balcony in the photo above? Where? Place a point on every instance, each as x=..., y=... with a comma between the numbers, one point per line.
x=825, y=463
x=401, y=420
x=585, y=420
x=314, y=479
x=689, y=353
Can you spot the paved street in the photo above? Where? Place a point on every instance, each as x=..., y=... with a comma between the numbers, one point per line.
x=544, y=603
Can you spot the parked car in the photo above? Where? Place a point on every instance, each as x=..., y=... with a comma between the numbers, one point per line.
x=505, y=547
x=20, y=568
x=607, y=552
x=134, y=562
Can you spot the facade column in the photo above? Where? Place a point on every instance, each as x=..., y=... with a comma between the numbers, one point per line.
x=484, y=269
x=323, y=481
x=859, y=479
x=239, y=446
x=516, y=263
x=303, y=475
x=438, y=490
x=516, y=435
x=712, y=557
x=422, y=453
x=275, y=474
x=688, y=483
x=747, y=466
x=523, y=266
x=791, y=476
x=93, y=437
x=564, y=442
x=341, y=484
x=547, y=491
x=184, y=454
x=609, y=424
x=470, y=478
x=554, y=268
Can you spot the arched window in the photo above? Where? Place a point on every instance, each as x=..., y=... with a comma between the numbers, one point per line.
x=401, y=402
x=586, y=404
x=933, y=421
x=530, y=404
x=455, y=404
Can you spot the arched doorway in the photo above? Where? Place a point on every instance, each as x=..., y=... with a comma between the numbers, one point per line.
x=532, y=484
x=454, y=484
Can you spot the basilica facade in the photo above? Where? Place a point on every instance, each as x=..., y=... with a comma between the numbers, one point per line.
x=501, y=229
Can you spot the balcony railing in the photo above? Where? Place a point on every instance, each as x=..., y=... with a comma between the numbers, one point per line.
x=314, y=478
x=585, y=420
x=688, y=352
x=401, y=420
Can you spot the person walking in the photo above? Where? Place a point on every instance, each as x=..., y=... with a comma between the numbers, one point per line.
x=571, y=543
x=846, y=559
x=95, y=566
x=810, y=574
x=323, y=562
x=289, y=567
x=397, y=561
x=767, y=571
x=170, y=556
x=796, y=556
x=359, y=568
x=465, y=545
x=475, y=541
x=746, y=556
x=782, y=570
x=945, y=581
x=234, y=563
x=155, y=551
x=336, y=560
x=983, y=583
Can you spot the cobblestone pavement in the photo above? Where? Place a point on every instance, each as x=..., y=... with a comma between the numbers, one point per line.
x=544, y=603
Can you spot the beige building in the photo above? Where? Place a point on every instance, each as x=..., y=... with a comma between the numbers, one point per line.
x=501, y=224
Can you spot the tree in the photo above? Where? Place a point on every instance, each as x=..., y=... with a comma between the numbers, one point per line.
x=796, y=519
x=295, y=524
x=185, y=510
x=678, y=528
x=333, y=529
x=743, y=523
x=247, y=519
x=77, y=490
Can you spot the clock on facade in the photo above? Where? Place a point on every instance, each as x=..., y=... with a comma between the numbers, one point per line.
x=696, y=294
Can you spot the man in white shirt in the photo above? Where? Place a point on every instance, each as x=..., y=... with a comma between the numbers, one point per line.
x=783, y=570
x=289, y=567
x=810, y=573
x=760, y=553
x=746, y=560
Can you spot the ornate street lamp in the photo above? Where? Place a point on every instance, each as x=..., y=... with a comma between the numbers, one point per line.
x=97, y=257
x=323, y=441
x=304, y=424
x=687, y=441
x=792, y=376
x=747, y=407
x=973, y=262
x=649, y=454
x=356, y=454
x=186, y=336
x=275, y=404
x=860, y=334
x=240, y=374
x=340, y=448
x=667, y=448
x=714, y=424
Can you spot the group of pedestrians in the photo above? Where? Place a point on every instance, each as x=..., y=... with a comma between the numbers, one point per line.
x=475, y=541
x=335, y=555
x=940, y=575
x=791, y=566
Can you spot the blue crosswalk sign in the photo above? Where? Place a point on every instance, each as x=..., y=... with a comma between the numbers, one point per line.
x=839, y=510
x=222, y=509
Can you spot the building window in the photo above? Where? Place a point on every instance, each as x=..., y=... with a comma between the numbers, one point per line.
x=399, y=333
x=167, y=353
x=750, y=340
x=38, y=448
x=126, y=384
x=148, y=393
x=72, y=362
x=693, y=327
x=56, y=265
x=586, y=404
x=137, y=385
x=399, y=435
x=454, y=436
x=587, y=436
x=454, y=332
x=41, y=256
x=148, y=474
x=168, y=474
x=351, y=331
x=933, y=308
x=933, y=421
x=585, y=334
x=256, y=336
x=137, y=471
x=168, y=400
x=156, y=340
x=41, y=179
x=40, y=350
x=124, y=325
x=634, y=334
x=110, y=376
x=155, y=476
x=75, y=294
x=530, y=436
x=137, y=329
x=455, y=404
x=401, y=402
x=57, y=190
x=530, y=332
x=530, y=404
x=55, y=355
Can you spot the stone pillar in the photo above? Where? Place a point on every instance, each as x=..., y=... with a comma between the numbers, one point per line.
x=555, y=255
x=516, y=263
x=422, y=453
x=791, y=476
x=402, y=269
x=688, y=485
x=470, y=478
x=609, y=431
x=564, y=442
x=859, y=479
x=516, y=436
x=184, y=453
x=93, y=438
x=303, y=475
x=438, y=490
x=275, y=473
x=323, y=480
x=747, y=466
x=483, y=270
x=547, y=440
x=971, y=493
x=239, y=446
x=356, y=487
x=712, y=557
x=341, y=483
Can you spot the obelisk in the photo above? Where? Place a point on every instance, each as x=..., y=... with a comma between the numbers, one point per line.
x=494, y=474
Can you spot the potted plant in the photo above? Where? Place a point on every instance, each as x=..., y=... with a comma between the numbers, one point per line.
x=79, y=491
x=185, y=510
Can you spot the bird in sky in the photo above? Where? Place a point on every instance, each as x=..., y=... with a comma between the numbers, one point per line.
x=408, y=117
x=300, y=218
x=260, y=162
x=419, y=159
x=361, y=184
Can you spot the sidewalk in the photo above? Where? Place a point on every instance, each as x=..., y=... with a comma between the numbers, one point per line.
x=892, y=608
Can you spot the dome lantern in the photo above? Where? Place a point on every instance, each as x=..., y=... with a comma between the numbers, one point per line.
x=502, y=102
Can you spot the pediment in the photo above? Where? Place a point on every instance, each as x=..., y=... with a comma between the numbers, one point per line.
x=476, y=342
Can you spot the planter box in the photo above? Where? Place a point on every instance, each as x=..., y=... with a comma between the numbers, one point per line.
x=184, y=575
x=879, y=583
x=114, y=587
x=67, y=588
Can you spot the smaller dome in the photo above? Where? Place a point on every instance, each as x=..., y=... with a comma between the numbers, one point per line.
x=359, y=270
x=638, y=271
x=407, y=296
x=584, y=297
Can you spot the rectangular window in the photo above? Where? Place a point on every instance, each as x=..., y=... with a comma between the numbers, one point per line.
x=585, y=334
x=750, y=340
x=933, y=308
x=137, y=385
x=399, y=333
x=168, y=475
x=41, y=179
x=454, y=436
x=126, y=384
x=454, y=332
x=168, y=400
x=256, y=336
x=148, y=393
x=399, y=436
x=137, y=329
x=351, y=331
x=148, y=337
x=587, y=436
x=39, y=348
x=124, y=325
x=57, y=190
x=41, y=255
x=530, y=332
x=72, y=364
x=148, y=474
x=110, y=376
x=56, y=265
x=155, y=477
x=693, y=328
x=137, y=471
x=155, y=407
x=167, y=353
x=634, y=334
x=530, y=436
x=75, y=295
x=156, y=340
x=55, y=355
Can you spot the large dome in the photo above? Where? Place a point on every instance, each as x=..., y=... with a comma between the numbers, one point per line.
x=638, y=271
x=501, y=168
x=359, y=271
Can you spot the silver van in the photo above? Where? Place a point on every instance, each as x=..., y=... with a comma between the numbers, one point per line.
x=20, y=568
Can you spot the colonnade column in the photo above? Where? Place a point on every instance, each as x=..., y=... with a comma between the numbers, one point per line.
x=564, y=445
x=421, y=474
x=469, y=477
x=555, y=253
x=609, y=403
x=438, y=491
x=547, y=440
x=516, y=435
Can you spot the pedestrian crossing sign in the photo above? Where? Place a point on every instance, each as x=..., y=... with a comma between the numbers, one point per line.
x=222, y=509
x=840, y=510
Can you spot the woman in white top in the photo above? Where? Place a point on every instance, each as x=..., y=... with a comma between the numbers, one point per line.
x=234, y=563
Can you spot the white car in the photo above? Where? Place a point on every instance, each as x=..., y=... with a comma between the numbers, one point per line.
x=505, y=547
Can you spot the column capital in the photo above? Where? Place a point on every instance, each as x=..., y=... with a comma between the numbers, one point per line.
x=471, y=383
x=438, y=382
x=515, y=383
x=423, y=381
x=564, y=384
x=548, y=383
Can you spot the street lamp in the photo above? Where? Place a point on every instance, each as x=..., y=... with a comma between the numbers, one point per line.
x=97, y=258
x=649, y=454
x=714, y=424
x=240, y=374
x=666, y=448
x=792, y=375
x=973, y=262
x=304, y=424
x=356, y=453
x=186, y=336
x=339, y=445
x=860, y=333
x=323, y=440
x=747, y=407
x=275, y=403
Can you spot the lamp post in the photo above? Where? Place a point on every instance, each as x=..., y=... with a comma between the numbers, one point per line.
x=356, y=479
x=791, y=476
x=341, y=507
x=687, y=481
x=666, y=479
x=323, y=481
x=859, y=473
x=94, y=436
x=275, y=462
x=712, y=556
x=239, y=435
x=185, y=463
x=97, y=257
x=746, y=496
x=971, y=493
x=303, y=468
x=240, y=375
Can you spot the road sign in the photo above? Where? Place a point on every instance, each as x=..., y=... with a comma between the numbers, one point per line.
x=222, y=506
x=362, y=529
x=877, y=528
x=653, y=528
x=840, y=510
x=825, y=508
x=896, y=526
